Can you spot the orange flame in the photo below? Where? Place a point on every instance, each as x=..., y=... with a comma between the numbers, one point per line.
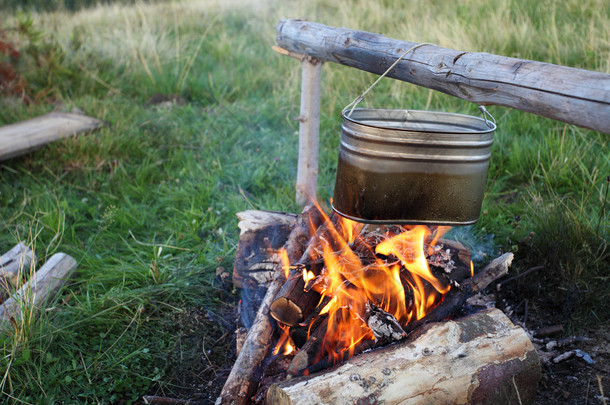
x=351, y=285
x=308, y=276
x=285, y=261
x=285, y=342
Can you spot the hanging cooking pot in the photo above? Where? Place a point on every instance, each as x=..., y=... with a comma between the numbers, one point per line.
x=412, y=167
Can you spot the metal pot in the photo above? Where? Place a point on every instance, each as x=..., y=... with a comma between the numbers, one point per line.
x=412, y=167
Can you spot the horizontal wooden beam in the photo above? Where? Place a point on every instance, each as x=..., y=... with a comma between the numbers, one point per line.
x=571, y=95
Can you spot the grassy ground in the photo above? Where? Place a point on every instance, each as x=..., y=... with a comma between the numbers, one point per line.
x=146, y=205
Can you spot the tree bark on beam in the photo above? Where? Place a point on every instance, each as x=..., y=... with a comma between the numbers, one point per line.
x=571, y=95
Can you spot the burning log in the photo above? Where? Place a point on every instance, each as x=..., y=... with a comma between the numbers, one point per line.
x=311, y=357
x=311, y=351
x=482, y=358
x=262, y=234
x=386, y=328
x=294, y=302
x=456, y=298
x=243, y=379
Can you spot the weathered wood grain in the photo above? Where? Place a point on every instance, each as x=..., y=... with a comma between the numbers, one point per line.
x=35, y=293
x=262, y=234
x=571, y=95
x=479, y=359
x=23, y=137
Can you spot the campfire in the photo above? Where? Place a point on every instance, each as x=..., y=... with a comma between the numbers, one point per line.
x=338, y=288
x=355, y=287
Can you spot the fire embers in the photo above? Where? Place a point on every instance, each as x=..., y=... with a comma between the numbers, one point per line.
x=356, y=286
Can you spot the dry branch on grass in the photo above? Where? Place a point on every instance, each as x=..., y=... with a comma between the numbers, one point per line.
x=37, y=291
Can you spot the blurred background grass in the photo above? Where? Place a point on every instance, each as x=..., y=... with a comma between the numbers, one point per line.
x=146, y=205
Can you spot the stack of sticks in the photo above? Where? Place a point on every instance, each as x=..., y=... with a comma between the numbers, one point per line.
x=291, y=302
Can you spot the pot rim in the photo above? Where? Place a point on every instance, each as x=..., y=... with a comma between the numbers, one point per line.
x=486, y=126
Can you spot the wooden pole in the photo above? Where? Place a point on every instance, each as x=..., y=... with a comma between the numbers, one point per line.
x=309, y=129
x=575, y=96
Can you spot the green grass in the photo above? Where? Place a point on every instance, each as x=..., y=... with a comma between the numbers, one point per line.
x=146, y=204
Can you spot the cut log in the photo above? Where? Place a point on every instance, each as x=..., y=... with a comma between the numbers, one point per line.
x=23, y=137
x=35, y=293
x=292, y=304
x=14, y=266
x=571, y=95
x=243, y=379
x=262, y=234
x=479, y=359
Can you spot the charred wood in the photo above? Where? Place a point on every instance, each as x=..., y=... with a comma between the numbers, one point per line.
x=493, y=271
x=293, y=304
x=262, y=234
x=455, y=299
x=243, y=380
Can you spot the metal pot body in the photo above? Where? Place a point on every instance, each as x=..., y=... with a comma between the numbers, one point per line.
x=412, y=167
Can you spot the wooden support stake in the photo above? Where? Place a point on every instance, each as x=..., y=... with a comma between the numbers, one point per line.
x=309, y=129
x=35, y=293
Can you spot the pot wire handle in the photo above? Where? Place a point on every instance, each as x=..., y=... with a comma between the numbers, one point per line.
x=487, y=114
x=358, y=99
x=351, y=106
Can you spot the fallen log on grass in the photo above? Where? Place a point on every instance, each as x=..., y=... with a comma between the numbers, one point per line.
x=23, y=137
x=39, y=290
x=479, y=359
x=14, y=266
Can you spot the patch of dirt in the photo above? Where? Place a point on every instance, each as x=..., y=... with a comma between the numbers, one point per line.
x=575, y=366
